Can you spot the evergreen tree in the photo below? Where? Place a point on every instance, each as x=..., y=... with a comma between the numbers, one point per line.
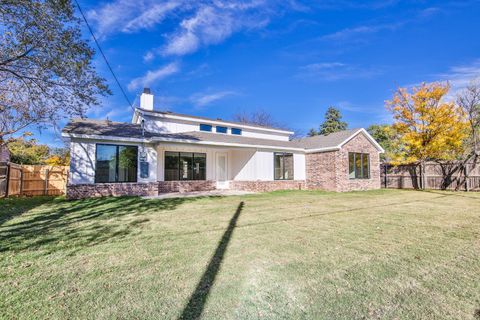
x=312, y=133
x=333, y=122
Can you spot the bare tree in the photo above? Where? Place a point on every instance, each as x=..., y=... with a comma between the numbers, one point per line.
x=46, y=69
x=469, y=100
x=258, y=117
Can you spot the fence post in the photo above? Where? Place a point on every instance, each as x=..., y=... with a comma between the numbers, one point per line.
x=8, y=179
x=21, y=181
x=385, y=179
x=422, y=175
x=466, y=177
x=45, y=189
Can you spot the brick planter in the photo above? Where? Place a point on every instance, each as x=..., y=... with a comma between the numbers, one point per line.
x=266, y=186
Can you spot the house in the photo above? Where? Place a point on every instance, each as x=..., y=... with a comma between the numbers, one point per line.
x=161, y=151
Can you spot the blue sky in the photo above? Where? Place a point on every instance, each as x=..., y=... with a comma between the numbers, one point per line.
x=290, y=58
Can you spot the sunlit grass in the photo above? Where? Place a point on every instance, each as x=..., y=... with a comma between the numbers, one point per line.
x=384, y=254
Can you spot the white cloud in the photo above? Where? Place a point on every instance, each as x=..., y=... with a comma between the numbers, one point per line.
x=129, y=16
x=194, y=24
x=149, y=56
x=459, y=77
x=151, y=17
x=332, y=71
x=348, y=33
x=154, y=75
x=210, y=25
x=202, y=99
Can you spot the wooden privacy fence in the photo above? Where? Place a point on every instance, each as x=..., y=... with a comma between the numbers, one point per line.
x=33, y=180
x=432, y=175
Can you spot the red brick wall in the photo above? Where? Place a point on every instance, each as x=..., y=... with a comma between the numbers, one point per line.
x=358, y=144
x=80, y=191
x=266, y=186
x=321, y=171
x=329, y=170
x=186, y=186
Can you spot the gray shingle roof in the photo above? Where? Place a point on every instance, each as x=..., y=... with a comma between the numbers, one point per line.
x=327, y=141
x=129, y=130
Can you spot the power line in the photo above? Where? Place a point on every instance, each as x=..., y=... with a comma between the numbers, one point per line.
x=103, y=55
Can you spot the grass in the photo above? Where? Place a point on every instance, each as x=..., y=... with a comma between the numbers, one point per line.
x=386, y=254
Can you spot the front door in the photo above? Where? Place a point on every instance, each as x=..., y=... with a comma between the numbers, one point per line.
x=221, y=171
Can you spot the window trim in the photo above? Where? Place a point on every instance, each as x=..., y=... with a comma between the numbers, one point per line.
x=362, y=155
x=283, y=163
x=116, y=162
x=179, y=167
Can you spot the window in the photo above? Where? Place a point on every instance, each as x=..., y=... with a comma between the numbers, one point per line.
x=221, y=129
x=358, y=165
x=115, y=163
x=236, y=131
x=185, y=166
x=205, y=127
x=283, y=166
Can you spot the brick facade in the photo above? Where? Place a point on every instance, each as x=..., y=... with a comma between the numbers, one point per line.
x=266, y=186
x=358, y=144
x=81, y=191
x=321, y=171
x=329, y=170
x=186, y=186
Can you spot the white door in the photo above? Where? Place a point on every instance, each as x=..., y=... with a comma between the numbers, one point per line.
x=221, y=171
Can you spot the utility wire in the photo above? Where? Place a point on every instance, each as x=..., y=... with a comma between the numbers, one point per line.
x=103, y=55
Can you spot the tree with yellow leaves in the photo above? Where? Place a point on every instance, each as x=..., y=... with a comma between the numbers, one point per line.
x=428, y=126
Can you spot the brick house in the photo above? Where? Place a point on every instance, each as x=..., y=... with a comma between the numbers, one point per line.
x=168, y=152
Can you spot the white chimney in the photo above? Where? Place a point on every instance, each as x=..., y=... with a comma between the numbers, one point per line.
x=146, y=100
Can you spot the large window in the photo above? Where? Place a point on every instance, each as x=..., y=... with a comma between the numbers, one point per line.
x=116, y=163
x=358, y=165
x=185, y=166
x=283, y=166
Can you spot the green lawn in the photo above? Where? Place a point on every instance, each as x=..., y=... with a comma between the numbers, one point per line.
x=386, y=254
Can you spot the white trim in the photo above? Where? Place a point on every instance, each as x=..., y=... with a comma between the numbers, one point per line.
x=322, y=149
x=102, y=137
x=226, y=144
x=211, y=121
x=367, y=135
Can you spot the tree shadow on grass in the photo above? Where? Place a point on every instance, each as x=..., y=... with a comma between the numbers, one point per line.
x=196, y=303
x=58, y=224
x=14, y=207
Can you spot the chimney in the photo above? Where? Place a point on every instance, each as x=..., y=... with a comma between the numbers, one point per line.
x=146, y=100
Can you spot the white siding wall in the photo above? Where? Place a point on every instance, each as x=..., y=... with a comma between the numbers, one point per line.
x=243, y=164
x=258, y=165
x=299, y=166
x=156, y=124
x=82, y=162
